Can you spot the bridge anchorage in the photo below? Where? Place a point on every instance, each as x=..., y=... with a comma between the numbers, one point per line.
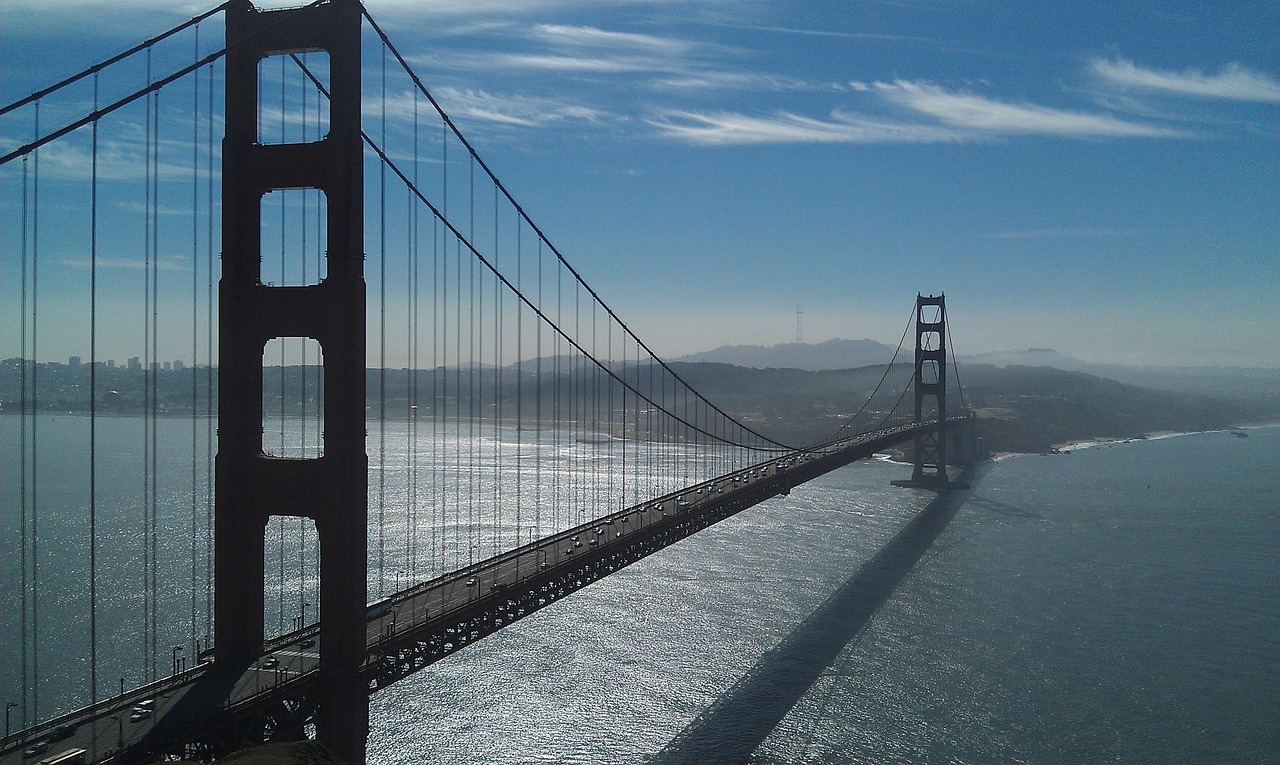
x=543, y=447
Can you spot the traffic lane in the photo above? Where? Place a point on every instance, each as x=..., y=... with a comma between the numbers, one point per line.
x=103, y=733
x=445, y=597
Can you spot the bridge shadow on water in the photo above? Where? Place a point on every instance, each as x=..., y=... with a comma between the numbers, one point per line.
x=740, y=720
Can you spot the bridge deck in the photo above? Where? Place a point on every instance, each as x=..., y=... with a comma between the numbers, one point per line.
x=216, y=707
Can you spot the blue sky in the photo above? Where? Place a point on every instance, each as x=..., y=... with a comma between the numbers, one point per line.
x=1096, y=177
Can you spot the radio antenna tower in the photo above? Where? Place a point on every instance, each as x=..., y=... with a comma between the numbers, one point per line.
x=799, y=323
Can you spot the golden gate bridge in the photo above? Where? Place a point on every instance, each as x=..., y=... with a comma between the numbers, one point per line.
x=406, y=420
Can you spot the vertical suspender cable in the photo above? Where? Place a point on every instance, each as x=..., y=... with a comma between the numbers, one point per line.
x=146, y=388
x=465, y=538
x=472, y=528
x=439, y=357
x=22, y=442
x=497, y=381
x=382, y=345
x=195, y=307
x=320, y=272
x=577, y=391
x=208, y=379
x=610, y=404
x=284, y=211
x=411, y=522
x=93, y=406
x=519, y=377
x=557, y=467
x=595, y=412
x=155, y=383
x=35, y=429
x=537, y=404
x=302, y=368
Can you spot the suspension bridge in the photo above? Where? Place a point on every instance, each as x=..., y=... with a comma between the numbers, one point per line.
x=321, y=364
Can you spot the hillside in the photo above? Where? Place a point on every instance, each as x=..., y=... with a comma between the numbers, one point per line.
x=1022, y=408
x=833, y=354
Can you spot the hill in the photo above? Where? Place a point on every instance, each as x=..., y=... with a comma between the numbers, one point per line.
x=1022, y=408
x=833, y=354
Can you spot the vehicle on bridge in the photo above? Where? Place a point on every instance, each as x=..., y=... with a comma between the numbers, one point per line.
x=68, y=757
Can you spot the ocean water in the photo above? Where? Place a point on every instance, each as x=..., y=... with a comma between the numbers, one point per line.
x=1118, y=604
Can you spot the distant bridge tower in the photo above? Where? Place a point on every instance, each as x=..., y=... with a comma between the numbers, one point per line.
x=251, y=486
x=930, y=385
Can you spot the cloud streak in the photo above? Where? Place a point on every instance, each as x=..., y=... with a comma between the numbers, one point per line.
x=1068, y=233
x=515, y=111
x=982, y=115
x=934, y=115
x=166, y=263
x=1233, y=82
x=564, y=36
x=726, y=128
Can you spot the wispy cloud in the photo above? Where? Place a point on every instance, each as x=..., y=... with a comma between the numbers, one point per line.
x=482, y=7
x=934, y=115
x=564, y=36
x=167, y=263
x=555, y=62
x=1067, y=233
x=587, y=50
x=727, y=80
x=1233, y=82
x=71, y=158
x=829, y=33
x=988, y=116
x=518, y=111
x=723, y=128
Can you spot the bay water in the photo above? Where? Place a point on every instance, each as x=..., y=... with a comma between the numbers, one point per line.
x=1117, y=604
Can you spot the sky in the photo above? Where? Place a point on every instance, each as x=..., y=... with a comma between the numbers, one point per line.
x=1099, y=178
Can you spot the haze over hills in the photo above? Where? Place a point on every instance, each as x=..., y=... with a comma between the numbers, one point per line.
x=1030, y=400
x=1025, y=407
x=1020, y=408
x=812, y=357
x=850, y=354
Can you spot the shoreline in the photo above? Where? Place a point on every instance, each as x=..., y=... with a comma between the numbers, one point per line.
x=1065, y=449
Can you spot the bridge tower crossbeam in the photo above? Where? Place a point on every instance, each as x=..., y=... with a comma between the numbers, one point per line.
x=251, y=486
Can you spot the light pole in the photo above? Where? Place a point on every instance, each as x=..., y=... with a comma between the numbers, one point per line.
x=7, y=709
x=119, y=731
x=176, y=650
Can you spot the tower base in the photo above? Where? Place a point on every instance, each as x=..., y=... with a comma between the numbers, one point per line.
x=931, y=484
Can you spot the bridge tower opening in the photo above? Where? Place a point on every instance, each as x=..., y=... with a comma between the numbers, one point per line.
x=251, y=485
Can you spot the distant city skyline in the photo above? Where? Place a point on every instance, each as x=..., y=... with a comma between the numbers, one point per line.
x=1102, y=179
